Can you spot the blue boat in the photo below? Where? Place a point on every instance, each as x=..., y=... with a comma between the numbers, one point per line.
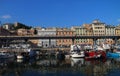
x=113, y=54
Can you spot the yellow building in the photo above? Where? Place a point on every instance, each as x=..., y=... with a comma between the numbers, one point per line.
x=89, y=32
x=25, y=32
x=109, y=31
x=84, y=30
x=98, y=28
x=117, y=32
x=64, y=32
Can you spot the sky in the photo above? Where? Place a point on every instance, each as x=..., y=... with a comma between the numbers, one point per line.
x=59, y=13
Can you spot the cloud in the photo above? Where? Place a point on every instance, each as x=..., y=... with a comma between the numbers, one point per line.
x=6, y=16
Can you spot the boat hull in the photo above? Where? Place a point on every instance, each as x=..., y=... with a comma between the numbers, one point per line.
x=109, y=54
x=19, y=57
x=77, y=55
x=95, y=55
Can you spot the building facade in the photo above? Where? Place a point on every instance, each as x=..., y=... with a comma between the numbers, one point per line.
x=109, y=31
x=98, y=28
x=46, y=32
x=117, y=32
x=64, y=32
x=83, y=31
x=25, y=32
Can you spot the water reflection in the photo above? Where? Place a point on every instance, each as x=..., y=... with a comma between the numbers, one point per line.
x=77, y=62
x=52, y=66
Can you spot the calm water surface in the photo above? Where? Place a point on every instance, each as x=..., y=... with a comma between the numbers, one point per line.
x=45, y=66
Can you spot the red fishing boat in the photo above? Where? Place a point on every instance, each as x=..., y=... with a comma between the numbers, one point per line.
x=91, y=54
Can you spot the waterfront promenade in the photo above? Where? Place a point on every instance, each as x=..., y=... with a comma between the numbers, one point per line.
x=60, y=37
x=8, y=39
x=39, y=51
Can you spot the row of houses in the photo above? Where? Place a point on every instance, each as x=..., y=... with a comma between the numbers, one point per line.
x=96, y=28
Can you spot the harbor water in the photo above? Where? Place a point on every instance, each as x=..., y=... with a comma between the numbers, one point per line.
x=50, y=66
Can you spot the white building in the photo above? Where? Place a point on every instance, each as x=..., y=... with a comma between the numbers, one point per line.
x=98, y=30
x=109, y=31
x=47, y=32
x=8, y=26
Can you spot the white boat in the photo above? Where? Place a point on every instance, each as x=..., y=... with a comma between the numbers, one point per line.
x=117, y=51
x=98, y=47
x=19, y=56
x=77, y=54
x=76, y=51
x=106, y=46
x=6, y=55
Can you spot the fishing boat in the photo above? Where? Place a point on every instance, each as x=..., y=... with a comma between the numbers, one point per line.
x=106, y=47
x=6, y=55
x=114, y=53
x=76, y=51
x=96, y=53
x=77, y=54
x=111, y=54
x=20, y=56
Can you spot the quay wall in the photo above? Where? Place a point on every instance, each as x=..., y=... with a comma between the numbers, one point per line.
x=37, y=49
x=55, y=49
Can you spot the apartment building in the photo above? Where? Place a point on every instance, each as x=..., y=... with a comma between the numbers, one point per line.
x=98, y=28
x=89, y=30
x=64, y=32
x=8, y=26
x=117, y=32
x=24, y=32
x=84, y=30
x=109, y=31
